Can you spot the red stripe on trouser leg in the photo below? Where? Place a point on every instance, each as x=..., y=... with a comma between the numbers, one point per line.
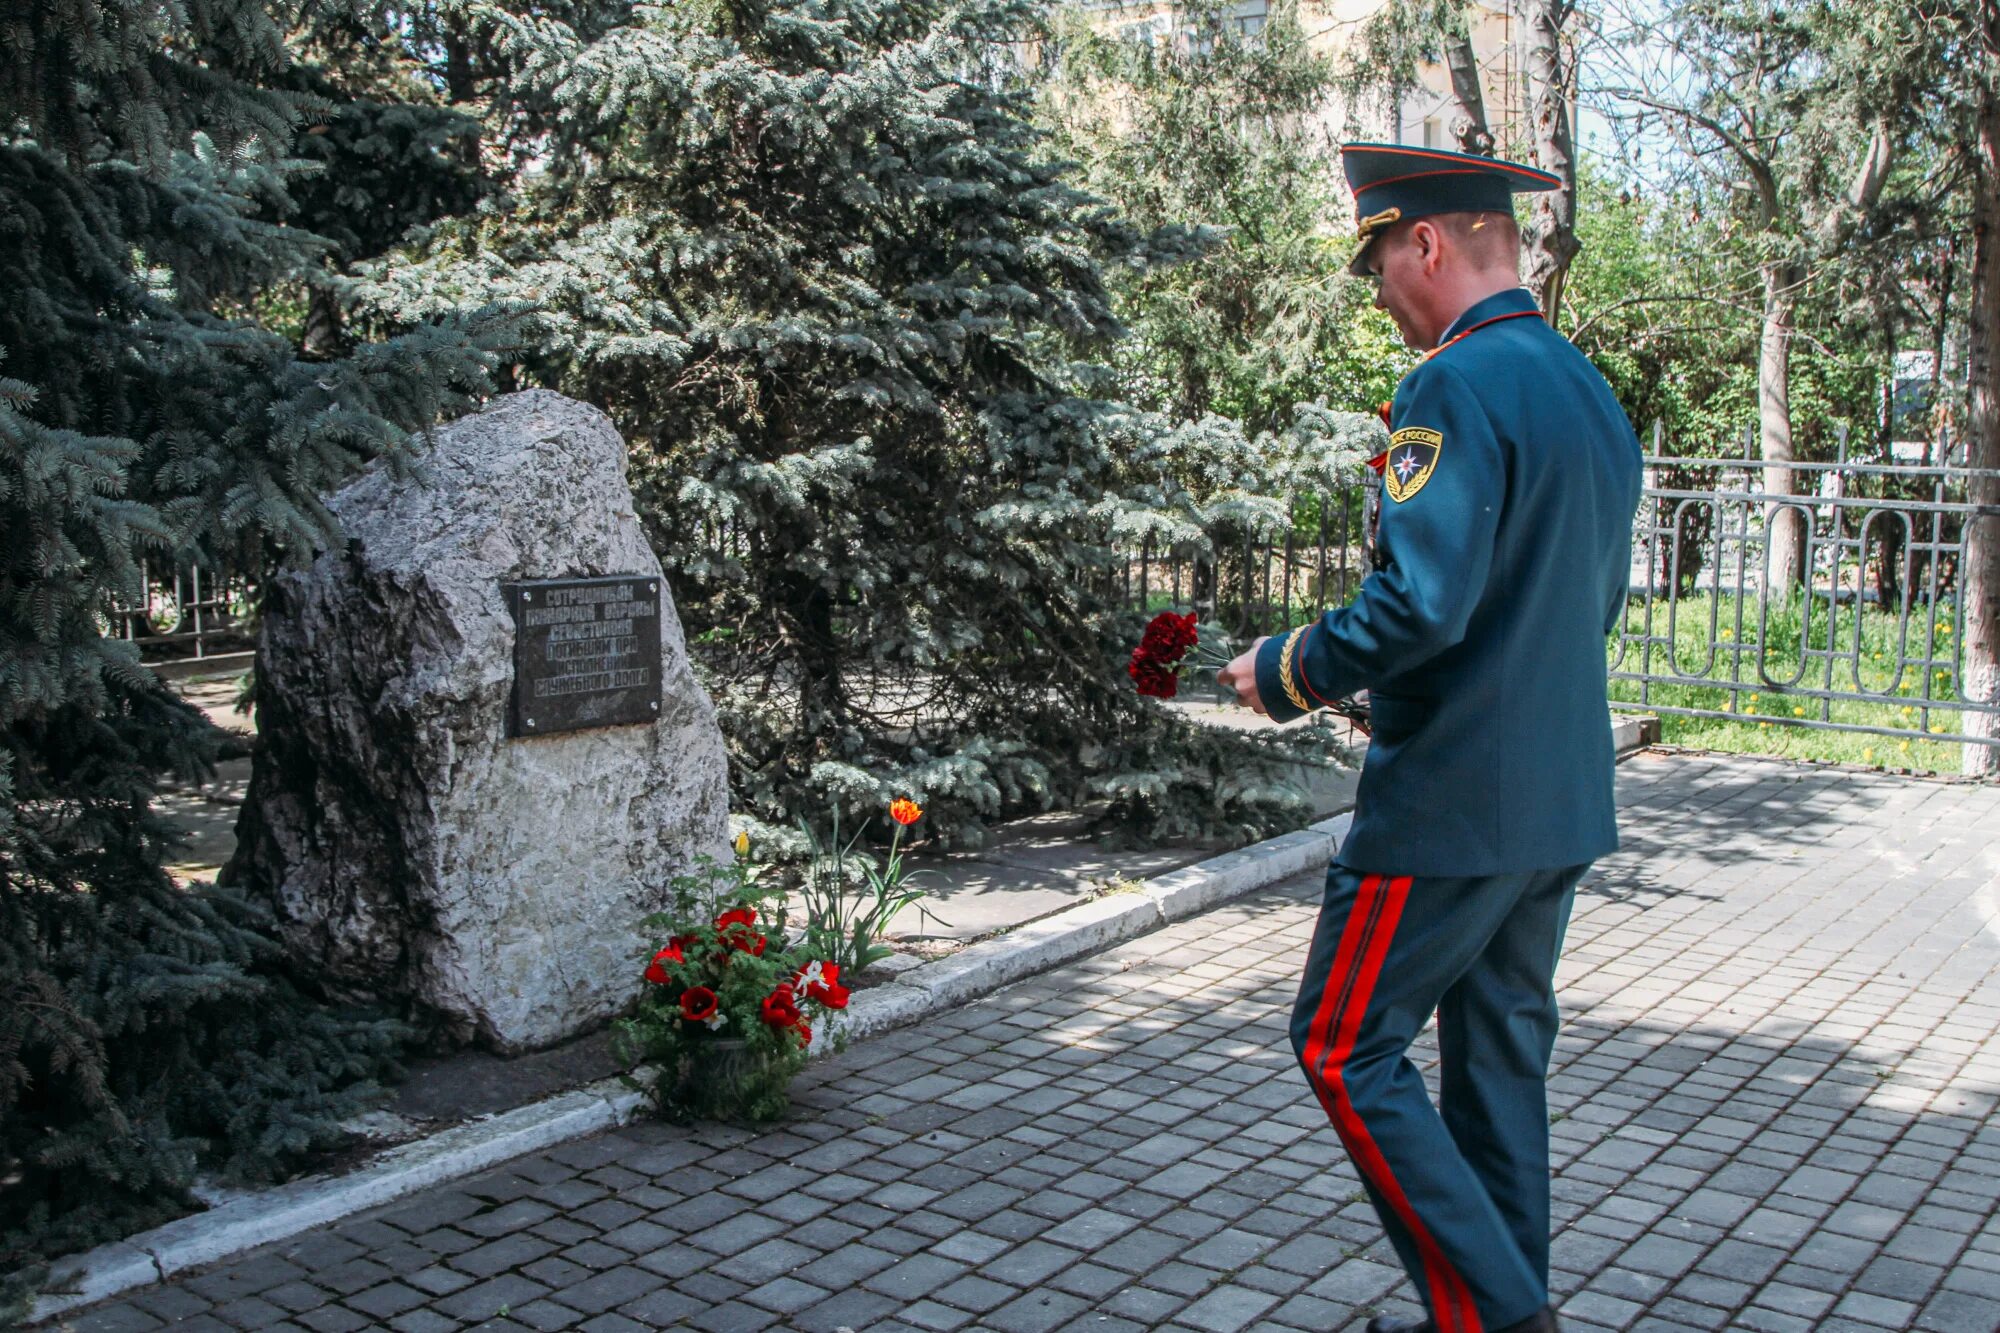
x=1339, y=978
x=1451, y=1300
x=1352, y=978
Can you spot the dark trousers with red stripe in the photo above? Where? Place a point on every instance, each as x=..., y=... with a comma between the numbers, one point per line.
x=1462, y=1186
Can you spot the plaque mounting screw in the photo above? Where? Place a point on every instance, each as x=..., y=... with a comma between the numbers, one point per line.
x=654, y=705
x=531, y=722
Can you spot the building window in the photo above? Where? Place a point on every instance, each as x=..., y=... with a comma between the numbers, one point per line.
x=1430, y=132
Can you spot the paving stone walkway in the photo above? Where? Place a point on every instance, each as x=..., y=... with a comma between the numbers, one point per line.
x=1774, y=1094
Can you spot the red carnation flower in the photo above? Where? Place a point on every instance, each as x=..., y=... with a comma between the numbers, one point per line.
x=697, y=1004
x=1153, y=677
x=1168, y=637
x=656, y=971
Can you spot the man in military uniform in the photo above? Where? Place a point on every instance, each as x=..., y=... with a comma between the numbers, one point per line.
x=1509, y=488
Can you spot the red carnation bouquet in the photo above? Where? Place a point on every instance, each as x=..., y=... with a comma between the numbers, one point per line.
x=1163, y=655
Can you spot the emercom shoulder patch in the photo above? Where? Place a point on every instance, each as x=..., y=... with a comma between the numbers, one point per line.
x=1413, y=456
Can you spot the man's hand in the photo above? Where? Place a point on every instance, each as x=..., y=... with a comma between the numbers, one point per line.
x=1241, y=676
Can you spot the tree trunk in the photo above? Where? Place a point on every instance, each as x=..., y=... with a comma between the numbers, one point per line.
x=1784, y=531
x=460, y=87
x=1551, y=239
x=1469, y=126
x=325, y=330
x=1981, y=667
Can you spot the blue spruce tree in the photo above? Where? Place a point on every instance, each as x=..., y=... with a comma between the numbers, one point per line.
x=849, y=313
x=145, y=410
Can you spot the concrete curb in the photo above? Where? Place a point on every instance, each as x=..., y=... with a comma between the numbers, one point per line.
x=1067, y=936
x=277, y=1214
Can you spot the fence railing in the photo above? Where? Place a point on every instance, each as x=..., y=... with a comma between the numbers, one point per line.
x=192, y=620
x=1252, y=584
x=1833, y=605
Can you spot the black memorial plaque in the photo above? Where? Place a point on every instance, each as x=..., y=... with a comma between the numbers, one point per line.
x=586, y=654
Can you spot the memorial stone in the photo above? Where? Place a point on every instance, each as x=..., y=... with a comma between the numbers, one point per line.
x=483, y=755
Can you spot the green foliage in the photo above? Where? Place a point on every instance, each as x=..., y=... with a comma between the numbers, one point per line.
x=1222, y=134
x=1665, y=304
x=849, y=900
x=850, y=313
x=706, y=1023
x=1720, y=640
x=146, y=1029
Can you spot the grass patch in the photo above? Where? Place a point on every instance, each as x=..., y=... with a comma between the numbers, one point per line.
x=1910, y=665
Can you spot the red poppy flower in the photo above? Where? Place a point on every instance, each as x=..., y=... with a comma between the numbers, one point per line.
x=905, y=812
x=805, y=1032
x=821, y=981
x=734, y=928
x=781, y=1007
x=656, y=971
x=697, y=1004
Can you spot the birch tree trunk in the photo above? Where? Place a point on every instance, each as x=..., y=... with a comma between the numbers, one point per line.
x=1981, y=581
x=1784, y=529
x=1469, y=126
x=1551, y=240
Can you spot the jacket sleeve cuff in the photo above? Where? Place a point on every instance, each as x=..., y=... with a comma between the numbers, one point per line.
x=1282, y=703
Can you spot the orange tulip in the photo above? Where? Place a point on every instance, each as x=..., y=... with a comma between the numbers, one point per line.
x=905, y=812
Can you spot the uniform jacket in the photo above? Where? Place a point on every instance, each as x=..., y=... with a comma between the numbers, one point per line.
x=1506, y=524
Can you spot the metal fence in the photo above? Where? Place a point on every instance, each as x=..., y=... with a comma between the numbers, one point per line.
x=191, y=622
x=1251, y=584
x=1866, y=637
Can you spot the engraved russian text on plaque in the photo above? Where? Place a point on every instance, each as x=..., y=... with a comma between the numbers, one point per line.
x=586, y=654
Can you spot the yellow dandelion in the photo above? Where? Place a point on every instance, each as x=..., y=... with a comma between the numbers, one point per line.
x=1727, y=635
x=1798, y=712
x=1906, y=710
x=1868, y=755
x=1763, y=724
x=1902, y=745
